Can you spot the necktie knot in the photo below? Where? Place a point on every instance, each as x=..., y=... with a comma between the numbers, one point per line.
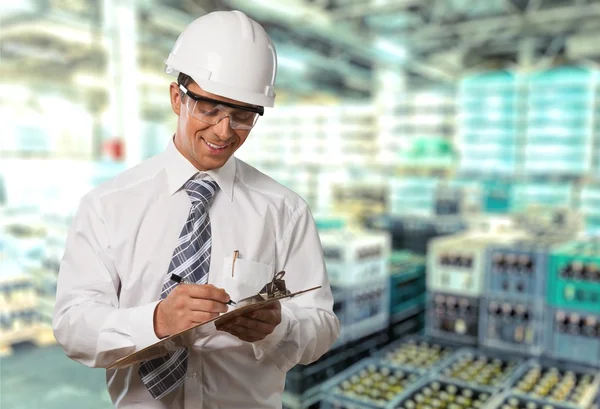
x=200, y=191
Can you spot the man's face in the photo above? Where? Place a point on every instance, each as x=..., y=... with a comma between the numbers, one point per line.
x=194, y=137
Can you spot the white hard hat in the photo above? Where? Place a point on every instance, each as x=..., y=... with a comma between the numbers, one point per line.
x=228, y=54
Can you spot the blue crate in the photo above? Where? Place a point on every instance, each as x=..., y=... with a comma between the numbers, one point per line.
x=453, y=317
x=407, y=291
x=572, y=337
x=339, y=309
x=448, y=200
x=512, y=325
x=530, y=375
x=473, y=367
x=360, y=348
x=420, y=353
x=496, y=196
x=306, y=379
x=292, y=401
x=435, y=388
x=336, y=391
x=304, y=383
x=518, y=270
x=414, y=232
x=365, y=308
x=409, y=321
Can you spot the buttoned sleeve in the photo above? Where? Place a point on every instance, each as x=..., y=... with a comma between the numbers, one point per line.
x=88, y=322
x=308, y=325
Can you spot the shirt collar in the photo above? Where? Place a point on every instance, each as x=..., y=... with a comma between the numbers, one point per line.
x=180, y=170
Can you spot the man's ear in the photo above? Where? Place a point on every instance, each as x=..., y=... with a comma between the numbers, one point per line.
x=175, y=98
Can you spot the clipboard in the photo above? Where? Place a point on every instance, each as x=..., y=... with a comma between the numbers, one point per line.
x=178, y=340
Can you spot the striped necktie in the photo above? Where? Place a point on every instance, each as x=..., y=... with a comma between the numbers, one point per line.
x=191, y=262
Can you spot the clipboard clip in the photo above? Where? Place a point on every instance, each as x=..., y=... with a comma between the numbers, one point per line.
x=274, y=288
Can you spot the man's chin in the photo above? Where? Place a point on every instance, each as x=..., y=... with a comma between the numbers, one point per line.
x=210, y=162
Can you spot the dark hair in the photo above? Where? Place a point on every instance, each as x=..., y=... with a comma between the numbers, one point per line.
x=184, y=79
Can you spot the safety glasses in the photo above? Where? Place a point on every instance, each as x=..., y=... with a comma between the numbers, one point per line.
x=212, y=111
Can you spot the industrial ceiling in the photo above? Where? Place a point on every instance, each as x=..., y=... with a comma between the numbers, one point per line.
x=329, y=46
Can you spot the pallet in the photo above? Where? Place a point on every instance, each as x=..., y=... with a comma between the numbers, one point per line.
x=40, y=336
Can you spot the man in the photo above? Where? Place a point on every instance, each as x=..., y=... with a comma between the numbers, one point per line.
x=198, y=213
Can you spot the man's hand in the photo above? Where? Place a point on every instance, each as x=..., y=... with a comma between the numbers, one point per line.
x=188, y=305
x=256, y=325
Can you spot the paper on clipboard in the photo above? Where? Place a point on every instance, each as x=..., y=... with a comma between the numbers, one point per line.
x=177, y=341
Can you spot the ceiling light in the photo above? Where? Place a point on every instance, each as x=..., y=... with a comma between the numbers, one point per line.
x=291, y=63
x=391, y=49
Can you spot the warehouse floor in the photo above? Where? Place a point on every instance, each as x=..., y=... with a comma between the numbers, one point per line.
x=44, y=378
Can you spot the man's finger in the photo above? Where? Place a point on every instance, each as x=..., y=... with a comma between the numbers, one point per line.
x=268, y=316
x=207, y=292
x=254, y=325
x=272, y=306
x=246, y=334
x=196, y=304
x=275, y=306
x=201, y=316
x=243, y=333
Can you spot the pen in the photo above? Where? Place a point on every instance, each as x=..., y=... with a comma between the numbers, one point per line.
x=236, y=254
x=180, y=280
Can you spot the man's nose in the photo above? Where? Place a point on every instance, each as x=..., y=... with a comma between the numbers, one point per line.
x=223, y=128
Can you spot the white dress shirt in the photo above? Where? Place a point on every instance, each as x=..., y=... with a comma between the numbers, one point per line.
x=117, y=257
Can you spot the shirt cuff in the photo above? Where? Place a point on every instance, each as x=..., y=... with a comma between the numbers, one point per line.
x=267, y=348
x=142, y=325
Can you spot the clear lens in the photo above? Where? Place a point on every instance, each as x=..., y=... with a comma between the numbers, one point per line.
x=212, y=114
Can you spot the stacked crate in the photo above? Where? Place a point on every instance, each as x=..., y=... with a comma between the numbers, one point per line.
x=417, y=372
x=471, y=193
x=24, y=237
x=497, y=195
x=560, y=121
x=449, y=200
x=354, y=143
x=357, y=266
x=489, y=124
x=417, y=353
x=446, y=394
x=335, y=135
x=19, y=316
x=407, y=285
x=550, y=383
x=415, y=127
x=359, y=198
x=512, y=401
x=540, y=192
x=370, y=384
x=590, y=207
x=455, y=282
x=491, y=371
x=413, y=233
x=574, y=300
x=413, y=196
x=550, y=222
x=513, y=310
x=304, y=383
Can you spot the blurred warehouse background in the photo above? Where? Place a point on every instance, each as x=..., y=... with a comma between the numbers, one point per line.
x=449, y=150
